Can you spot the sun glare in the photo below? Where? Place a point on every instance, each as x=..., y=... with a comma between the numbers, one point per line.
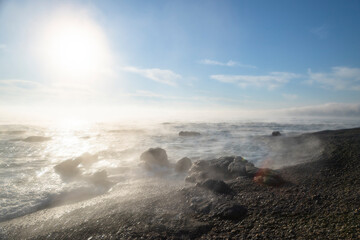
x=74, y=48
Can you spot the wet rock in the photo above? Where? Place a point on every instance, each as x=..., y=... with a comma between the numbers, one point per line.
x=183, y=165
x=237, y=166
x=36, y=139
x=251, y=170
x=217, y=186
x=68, y=168
x=189, y=134
x=87, y=159
x=100, y=178
x=155, y=157
x=268, y=177
x=230, y=211
x=275, y=133
x=221, y=168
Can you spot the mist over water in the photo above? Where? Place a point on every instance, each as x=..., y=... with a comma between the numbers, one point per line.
x=29, y=182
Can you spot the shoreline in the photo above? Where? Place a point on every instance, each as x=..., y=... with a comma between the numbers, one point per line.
x=319, y=199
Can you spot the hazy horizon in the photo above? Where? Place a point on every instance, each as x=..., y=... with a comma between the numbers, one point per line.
x=178, y=60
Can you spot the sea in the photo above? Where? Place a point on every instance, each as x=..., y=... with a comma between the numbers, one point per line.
x=29, y=182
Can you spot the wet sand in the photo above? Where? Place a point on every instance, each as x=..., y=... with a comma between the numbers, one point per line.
x=320, y=199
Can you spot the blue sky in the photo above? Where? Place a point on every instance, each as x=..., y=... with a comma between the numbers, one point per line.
x=198, y=55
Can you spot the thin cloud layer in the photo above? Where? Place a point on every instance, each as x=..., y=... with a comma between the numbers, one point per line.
x=270, y=81
x=340, y=78
x=164, y=76
x=229, y=63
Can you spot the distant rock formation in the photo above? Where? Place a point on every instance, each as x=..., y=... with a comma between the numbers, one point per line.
x=189, y=134
x=275, y=133
x=36, y=139
x=183, y=165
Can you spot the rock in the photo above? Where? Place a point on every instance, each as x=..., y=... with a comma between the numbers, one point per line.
x=68, y=168
x=276, y=133
x=251, y=170
x=217, y=186
x=100, y=178
x=230, y=211
x=220, y=168
x=87, y=159
x=269, y=177
x=189, y=134
x=155, y=157
x=183, y=165
x=238, y=166
x=36, y=139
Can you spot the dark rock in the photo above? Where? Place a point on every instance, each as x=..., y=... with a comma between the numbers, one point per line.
x=217, y=186
x=68, y=168
x=36, y=139
x=275, y=133
x=269, y=177
x=183, y=165
x=155, y=157
x=189, y=134
x=230, y=211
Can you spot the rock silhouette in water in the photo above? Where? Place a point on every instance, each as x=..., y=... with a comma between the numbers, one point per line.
x=189, y=134
x=183, y=165
x=87, y=159
x=36, y=139
x=275, y=133
x=155, y=157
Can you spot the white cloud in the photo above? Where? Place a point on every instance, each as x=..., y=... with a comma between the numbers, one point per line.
x=3, y=46
x=158, y=75
x=229, y=63
x=321, y=32
x=340, y=78
x=270, y=81
x=290, y=96
x=328, y=109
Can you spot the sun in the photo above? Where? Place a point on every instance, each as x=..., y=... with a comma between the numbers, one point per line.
x=73, y=47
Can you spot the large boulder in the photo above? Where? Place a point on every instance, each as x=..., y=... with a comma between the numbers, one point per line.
x=217, y=186
x=222, y=168
x=189, y=134
x=183, y=165
x=155, y=157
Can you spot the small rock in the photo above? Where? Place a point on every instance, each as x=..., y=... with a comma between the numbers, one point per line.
x=230, y=211
x=189, y=134
x=36, y=139
x=268, y=177
x=183, y=165
x=275, y=133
